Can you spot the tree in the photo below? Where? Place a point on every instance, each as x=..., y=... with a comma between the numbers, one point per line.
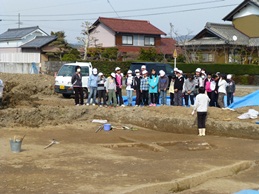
x=60, y=45
x=87, y=39
x=148, y=55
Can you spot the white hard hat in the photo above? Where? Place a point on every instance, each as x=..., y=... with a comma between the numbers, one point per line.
x=100, y=74
x=94, y=71
x=229, y=76
x=129, y=72
x=117, y=69
x=143, y=67
x=137, y=70
x=180, y=71
x=144, y=72
x=113, y=74
x=198, y=69
x=176, y=69
x=162, y=73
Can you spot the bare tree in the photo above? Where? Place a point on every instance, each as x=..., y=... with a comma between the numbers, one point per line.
x=86, y=39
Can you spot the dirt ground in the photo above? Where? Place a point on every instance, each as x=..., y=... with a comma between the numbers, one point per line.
x=158, y=151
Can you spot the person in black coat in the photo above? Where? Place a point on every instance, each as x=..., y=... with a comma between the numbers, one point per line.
x=136, y=87
x=77, y=86
x=178, y=87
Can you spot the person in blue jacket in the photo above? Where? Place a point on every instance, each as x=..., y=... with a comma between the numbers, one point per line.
x=92, y=85
x=153, y=87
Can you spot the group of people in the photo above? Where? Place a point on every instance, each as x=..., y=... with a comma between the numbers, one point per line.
x=151, y=88
x=201, y=89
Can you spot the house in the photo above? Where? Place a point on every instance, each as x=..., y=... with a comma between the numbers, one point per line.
x=128, y=36
x=24, y=45
x=228, y=43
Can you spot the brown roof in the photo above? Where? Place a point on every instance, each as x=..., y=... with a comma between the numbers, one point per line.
x=129, y=26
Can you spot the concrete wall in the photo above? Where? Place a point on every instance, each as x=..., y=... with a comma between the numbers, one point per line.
x=24, y=68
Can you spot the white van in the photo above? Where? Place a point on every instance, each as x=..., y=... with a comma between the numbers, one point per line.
x=63, y=83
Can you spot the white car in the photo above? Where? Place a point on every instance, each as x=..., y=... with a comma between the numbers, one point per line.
x=63, y=78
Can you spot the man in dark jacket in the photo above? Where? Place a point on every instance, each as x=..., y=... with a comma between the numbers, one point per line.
x=136, y=86
x=76, y=81
x=178, y=87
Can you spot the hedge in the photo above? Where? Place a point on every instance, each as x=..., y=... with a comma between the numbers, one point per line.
x=236, y=69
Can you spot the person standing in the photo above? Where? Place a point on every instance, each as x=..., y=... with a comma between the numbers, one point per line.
x=231, y=88
x=171, y=90
x=110, y=86
x=144, y=86
x=76, y=81
x=178, y=87
x=119, y=81
x=101, y=89
x=209, y=88
x=222, y=91
x=189, y=87
x=153, y=87
x=129, y=87
x=92, y=84
x=201, y=106
x=162, y=87
x=137, y=80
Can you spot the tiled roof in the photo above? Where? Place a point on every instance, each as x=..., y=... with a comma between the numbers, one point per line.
x=230, y=16
x=219, y=34
x=129, y=26
x=17, y=33
x=39, y=42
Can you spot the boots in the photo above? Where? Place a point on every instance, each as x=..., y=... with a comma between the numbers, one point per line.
x=200, y=132
x=203, y=130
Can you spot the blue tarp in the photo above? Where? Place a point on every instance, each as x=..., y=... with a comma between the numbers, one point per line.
x=248, y=100
x=248, y=192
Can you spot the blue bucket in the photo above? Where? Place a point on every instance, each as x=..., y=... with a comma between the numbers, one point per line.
x=107, y=127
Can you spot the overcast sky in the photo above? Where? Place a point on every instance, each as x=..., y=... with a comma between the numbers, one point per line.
x=68, y=15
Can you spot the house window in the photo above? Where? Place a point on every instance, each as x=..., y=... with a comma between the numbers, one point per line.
x=149, y=41
x=127, y=40
x=208, y=57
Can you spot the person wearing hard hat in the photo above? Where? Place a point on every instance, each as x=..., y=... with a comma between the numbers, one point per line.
x=101, y=89
x=76, y=81
x=137, y=80
x=110, y=86
x=92, y=85
x=178, y=88
x=144, y=86
x=129, y=86
x=162, y=86
x=196, y=80
x=119, y=83
x=231, y=88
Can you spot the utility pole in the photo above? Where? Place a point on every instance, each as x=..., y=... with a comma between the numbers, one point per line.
x=19, y=20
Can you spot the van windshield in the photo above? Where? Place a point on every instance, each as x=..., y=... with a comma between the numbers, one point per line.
x=69, y=70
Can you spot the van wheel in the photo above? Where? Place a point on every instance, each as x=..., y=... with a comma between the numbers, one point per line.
x=66, y=95
x=85, y=92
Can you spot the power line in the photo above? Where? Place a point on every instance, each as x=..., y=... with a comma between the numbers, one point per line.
x=113, y=9
x=130, y=16
x=122, y=11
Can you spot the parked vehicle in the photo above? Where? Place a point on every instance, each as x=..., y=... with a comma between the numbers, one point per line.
x=153, y=65
x=63, y=83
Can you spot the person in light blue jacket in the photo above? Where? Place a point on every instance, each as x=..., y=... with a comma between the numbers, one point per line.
x=153, y=87
x=92, y=85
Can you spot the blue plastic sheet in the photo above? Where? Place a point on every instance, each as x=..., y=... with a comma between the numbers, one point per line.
x=247, y=192
x=248, y=100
